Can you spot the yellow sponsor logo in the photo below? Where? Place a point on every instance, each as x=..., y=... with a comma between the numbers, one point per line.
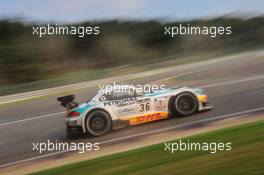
x=148, y=118
x=202, y=98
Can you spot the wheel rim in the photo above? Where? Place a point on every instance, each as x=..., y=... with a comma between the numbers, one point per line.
x=98, y=123
x=186, y=104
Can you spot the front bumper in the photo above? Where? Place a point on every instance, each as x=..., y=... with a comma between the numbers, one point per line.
x=207, y=106
x=203, y=103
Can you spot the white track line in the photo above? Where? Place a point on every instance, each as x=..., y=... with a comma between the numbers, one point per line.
x=185, y=124
x=233, y=82
x=57, y=114
x=204, y=86
x=141, y=134
x=178, y=75
x=82, y=85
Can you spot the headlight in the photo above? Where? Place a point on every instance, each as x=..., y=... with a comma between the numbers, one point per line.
x=202, y=98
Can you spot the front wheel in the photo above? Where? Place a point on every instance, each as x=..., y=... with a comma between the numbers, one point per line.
x=185, y=104
x=98, y=123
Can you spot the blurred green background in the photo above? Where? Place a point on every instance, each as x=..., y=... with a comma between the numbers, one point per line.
x=28, y=62
x=245, y=157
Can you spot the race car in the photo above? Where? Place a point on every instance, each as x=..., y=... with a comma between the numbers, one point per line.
x=114, y=108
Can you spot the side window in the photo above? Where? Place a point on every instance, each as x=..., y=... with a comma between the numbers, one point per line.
x=121, y=95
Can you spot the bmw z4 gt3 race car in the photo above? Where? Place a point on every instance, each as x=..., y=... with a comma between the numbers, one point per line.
x=112, y=109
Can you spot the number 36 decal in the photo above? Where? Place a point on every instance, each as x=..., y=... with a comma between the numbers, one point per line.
x=144, y=107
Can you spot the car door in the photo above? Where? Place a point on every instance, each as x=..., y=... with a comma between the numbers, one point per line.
x=144, y=104
x=123, y=104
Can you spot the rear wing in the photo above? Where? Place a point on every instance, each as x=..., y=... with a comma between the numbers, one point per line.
x=67, y=101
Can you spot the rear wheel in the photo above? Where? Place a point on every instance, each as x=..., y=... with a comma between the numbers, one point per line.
x=98, y=123
x=185, y=104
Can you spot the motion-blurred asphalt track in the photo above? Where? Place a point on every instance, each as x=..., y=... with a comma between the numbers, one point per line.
x=233, y=85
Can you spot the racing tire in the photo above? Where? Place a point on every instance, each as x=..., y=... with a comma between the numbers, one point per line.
x=98, y=123
x=185, y=104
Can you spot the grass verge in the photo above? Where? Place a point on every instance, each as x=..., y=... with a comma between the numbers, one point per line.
x=246, y=157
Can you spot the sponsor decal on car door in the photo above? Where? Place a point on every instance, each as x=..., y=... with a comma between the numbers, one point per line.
x=126, y=108
x=144, y=105
x=144, y=118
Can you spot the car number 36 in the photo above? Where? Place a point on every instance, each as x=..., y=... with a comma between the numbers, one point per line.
x=144, y=107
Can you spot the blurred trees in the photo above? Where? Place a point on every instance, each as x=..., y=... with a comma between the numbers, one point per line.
x=18, y=63
x=25, y=57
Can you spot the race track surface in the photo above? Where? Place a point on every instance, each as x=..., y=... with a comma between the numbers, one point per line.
x=232, y=86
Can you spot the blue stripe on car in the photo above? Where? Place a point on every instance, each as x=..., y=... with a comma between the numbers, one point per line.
x=156, y=93
x=83, y=108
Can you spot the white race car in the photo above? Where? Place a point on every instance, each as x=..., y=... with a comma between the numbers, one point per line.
x=113, y=109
